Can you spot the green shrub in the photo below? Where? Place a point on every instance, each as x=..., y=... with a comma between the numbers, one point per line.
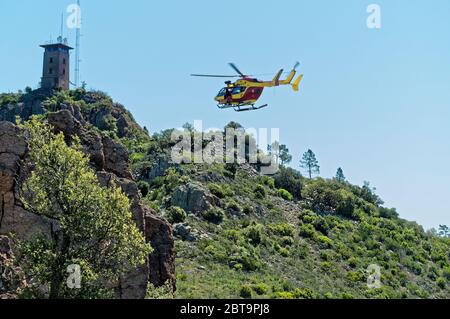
x=245, y=292
x=267, y=181
x=441, y=282
x=329, y=197
x=284, y=252
x=304, y=294
x=176, y=215
x=260, y=289
x=158, y=293
x=233, y=206
x=326, y=265
x=302, y=251
x=217, y=190
x=287, y=241
x=232, y=234
x=446, y=273
x=238, y=267
x=214, y=215
x=328, y=295
x=248, y=209
x=320, y=223
x=324, y=241
x=355, y=276
x=290, y=180
x=217, y=252
x=231, y=170
x=353, y=262
x=251, y=262
x=307, y=216
x=326, y=255
x=283, y=295
x=282, y=229
x=255, y=234
x=285, y=194
x=247, y=258
x=307, y=231
x=260, y=192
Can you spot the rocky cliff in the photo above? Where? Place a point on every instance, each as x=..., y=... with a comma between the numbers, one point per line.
x=110, y=160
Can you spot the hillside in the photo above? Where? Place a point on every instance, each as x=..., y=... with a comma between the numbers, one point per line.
x=286, y=236
x=241, y=234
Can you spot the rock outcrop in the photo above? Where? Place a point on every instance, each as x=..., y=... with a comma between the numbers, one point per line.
x=193, y=198
x=110, y=160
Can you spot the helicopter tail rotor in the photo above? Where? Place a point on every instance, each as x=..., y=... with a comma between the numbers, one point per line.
x=276, y=79
x=296, y=83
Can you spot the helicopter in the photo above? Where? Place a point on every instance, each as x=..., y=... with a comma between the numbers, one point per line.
x=243, y=94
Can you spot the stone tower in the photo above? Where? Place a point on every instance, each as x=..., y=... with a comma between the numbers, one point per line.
x=56, y=71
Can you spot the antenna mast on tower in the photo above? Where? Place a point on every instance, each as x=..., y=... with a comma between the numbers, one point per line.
x=77, y=47
x=62, y=27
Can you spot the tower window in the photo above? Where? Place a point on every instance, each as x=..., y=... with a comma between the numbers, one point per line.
x=64, y=61
x=51, y=60
x=64, y=71
x=50, y=71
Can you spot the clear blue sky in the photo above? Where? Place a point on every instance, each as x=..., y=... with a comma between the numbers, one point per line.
x=376, y=102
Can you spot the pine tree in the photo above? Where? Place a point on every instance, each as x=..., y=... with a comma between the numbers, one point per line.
x=340, y=175
x=444, y=231
x=285, y=157
x=310, y=163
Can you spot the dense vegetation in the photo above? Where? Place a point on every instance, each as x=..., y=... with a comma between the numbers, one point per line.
x=265, y=244
x=283, y=236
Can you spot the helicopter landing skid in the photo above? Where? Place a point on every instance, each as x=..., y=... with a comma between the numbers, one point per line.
x=225, y=106
x=251, y=108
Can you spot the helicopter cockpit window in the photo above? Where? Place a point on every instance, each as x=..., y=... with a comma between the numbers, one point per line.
x=238, y=90
x=222, y=92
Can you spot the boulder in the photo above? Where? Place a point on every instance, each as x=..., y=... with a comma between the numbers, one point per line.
x=64, y=121
x=184, y=232
x=116, y=158
x=193, y=198
x=159, y=167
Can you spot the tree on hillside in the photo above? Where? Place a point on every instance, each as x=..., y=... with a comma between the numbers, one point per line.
x=289, y=179
x=310, y=163
x=93, y=229
x=340, y=177
x=233, y=125
x=285, y=157
x=274, y=151
x=188, y=127
x=444, y=231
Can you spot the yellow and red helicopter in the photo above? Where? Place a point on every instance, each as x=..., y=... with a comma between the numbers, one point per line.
x=243, y=94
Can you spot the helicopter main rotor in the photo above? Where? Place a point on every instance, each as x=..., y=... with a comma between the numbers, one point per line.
x=232, y=65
